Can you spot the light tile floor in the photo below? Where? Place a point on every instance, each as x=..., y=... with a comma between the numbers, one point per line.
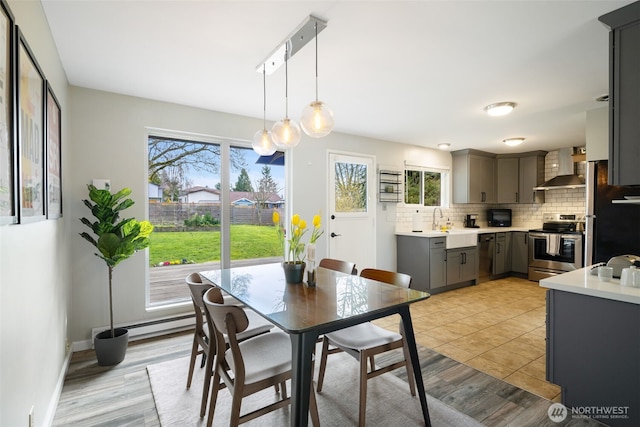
x=496, y=327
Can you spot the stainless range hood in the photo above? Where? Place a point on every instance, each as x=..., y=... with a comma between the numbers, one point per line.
x=566, y=177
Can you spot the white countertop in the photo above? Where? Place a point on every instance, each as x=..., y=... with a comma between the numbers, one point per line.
x=430, y=233
x=583, y=282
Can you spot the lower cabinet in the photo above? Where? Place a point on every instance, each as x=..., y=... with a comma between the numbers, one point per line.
x=593, y=349
x=520, y=252
x=432, y=266
x=502, y=255
x=462, y=265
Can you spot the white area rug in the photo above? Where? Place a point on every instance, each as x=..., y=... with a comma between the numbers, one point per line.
x=389, y=402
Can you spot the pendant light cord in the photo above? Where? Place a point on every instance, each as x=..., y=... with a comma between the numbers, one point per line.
x=286, y=82
x=316, y=27
x=264, y=97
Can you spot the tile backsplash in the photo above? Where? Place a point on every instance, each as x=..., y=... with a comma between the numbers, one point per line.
x=569, y=201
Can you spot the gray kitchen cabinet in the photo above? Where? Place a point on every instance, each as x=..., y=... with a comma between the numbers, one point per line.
x=473, y=176
x=517, y=175
x=432, y=267
x=507, y=171
x=531, y=174
x=462, y=265
x=624, y=94
x=502, y=255
x=413, y=259
x=437, y=263
x=520, y=252
x=593, y=349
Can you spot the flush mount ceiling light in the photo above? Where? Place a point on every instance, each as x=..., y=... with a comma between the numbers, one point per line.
x=444, y=145
x=500, y=108
x=262, y=140
x=286, y=132
x=512, y=142
x=317, y=118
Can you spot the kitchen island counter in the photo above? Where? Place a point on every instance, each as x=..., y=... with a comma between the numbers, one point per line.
x=582, y=282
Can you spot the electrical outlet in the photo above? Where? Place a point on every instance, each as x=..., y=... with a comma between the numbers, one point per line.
x=32, y=420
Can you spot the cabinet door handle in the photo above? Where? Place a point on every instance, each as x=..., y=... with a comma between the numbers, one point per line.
x=526, y=238
x=517, y=197
x=497, y=248
x=533, y=197
x=464, y=257
x=483, y=197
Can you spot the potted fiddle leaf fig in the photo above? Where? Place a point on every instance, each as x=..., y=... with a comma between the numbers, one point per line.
x=116, y=241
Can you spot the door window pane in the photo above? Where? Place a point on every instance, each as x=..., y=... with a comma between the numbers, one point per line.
x=350, y=187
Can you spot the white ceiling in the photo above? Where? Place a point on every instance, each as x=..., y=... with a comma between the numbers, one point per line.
x=417, y=72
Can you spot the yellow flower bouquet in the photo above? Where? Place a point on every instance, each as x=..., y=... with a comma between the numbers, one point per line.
x=294, y=250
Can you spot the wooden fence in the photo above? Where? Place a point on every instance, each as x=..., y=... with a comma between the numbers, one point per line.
x=175, y=213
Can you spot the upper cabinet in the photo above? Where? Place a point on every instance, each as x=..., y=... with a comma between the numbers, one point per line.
x=530, y=175
x=517, y=175
x=624, y=94
x=473, y=176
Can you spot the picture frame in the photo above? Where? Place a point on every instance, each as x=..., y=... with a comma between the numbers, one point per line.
x=30, y=92
x=53, y=117
x=8, y=150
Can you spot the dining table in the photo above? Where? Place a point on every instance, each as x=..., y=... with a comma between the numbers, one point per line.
x=336, y=301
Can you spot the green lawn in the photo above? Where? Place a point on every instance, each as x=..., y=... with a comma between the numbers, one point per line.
x=247, y=241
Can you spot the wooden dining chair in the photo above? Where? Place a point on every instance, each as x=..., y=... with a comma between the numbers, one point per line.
x=338, y=265
x=202, y=338
x=365, y=340
x=248, y=366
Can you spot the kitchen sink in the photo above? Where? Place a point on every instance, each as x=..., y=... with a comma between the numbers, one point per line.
x=461, y=238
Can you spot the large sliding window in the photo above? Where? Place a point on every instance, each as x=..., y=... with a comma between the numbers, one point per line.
x=210, y=201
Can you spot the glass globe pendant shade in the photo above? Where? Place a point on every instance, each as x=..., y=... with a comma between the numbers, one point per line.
x=286, y=133
x=263, y=143
x=317, y=119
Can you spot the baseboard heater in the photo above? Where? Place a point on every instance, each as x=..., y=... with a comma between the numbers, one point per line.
x=153, y=328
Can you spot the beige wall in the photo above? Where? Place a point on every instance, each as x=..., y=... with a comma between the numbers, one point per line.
x=34, y=271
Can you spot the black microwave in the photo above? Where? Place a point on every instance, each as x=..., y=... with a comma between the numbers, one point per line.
x=499, y=217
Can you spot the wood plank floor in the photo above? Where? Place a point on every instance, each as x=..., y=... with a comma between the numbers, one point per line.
x=121, y=395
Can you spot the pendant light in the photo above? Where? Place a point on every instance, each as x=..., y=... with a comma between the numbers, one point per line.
x=262, y=140
x=286, y=132
x=317, y=118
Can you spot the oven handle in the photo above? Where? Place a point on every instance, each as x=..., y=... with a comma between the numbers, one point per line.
x=563, y=236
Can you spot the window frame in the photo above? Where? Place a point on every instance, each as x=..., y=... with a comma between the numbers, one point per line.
x=444, y=185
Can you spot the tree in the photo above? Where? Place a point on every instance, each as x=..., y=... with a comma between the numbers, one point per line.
x=244, y=182
x=189, y=155
x=351, y=187
x=267, y=187
x=173, y=180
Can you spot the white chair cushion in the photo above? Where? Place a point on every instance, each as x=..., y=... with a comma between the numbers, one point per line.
x=264, y=356
x=362, y=336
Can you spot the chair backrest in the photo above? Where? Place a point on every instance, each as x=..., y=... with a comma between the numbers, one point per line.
x=226, y=320
x=338, y=265
x=391, y=277
x=197, y=288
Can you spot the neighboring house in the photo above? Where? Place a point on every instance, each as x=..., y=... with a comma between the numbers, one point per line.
x=199, y=194
x=247, y=198
x=155, y=192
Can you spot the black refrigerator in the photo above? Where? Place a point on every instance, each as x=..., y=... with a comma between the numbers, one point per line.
x=612, y=223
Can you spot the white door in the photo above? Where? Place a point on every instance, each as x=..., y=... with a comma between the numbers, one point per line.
x=352, y=210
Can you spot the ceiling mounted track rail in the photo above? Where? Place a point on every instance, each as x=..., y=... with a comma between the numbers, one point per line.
x=303, y=34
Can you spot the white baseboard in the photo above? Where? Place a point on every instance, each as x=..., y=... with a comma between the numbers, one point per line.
x=55, y=398
x=142, y=330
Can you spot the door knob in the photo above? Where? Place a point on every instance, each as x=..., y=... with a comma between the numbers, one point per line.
x=335, y=235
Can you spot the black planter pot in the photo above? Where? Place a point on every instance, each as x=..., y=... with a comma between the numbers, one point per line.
x=294, y=272
x=111, y=351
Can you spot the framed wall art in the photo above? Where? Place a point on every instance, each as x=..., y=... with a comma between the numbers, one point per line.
x=54, y=156
x=8, y=156
x=31, y=158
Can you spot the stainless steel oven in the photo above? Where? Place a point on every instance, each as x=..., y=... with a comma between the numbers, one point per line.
x=556, y=248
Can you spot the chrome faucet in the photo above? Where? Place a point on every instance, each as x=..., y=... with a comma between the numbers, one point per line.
x=434, y=224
